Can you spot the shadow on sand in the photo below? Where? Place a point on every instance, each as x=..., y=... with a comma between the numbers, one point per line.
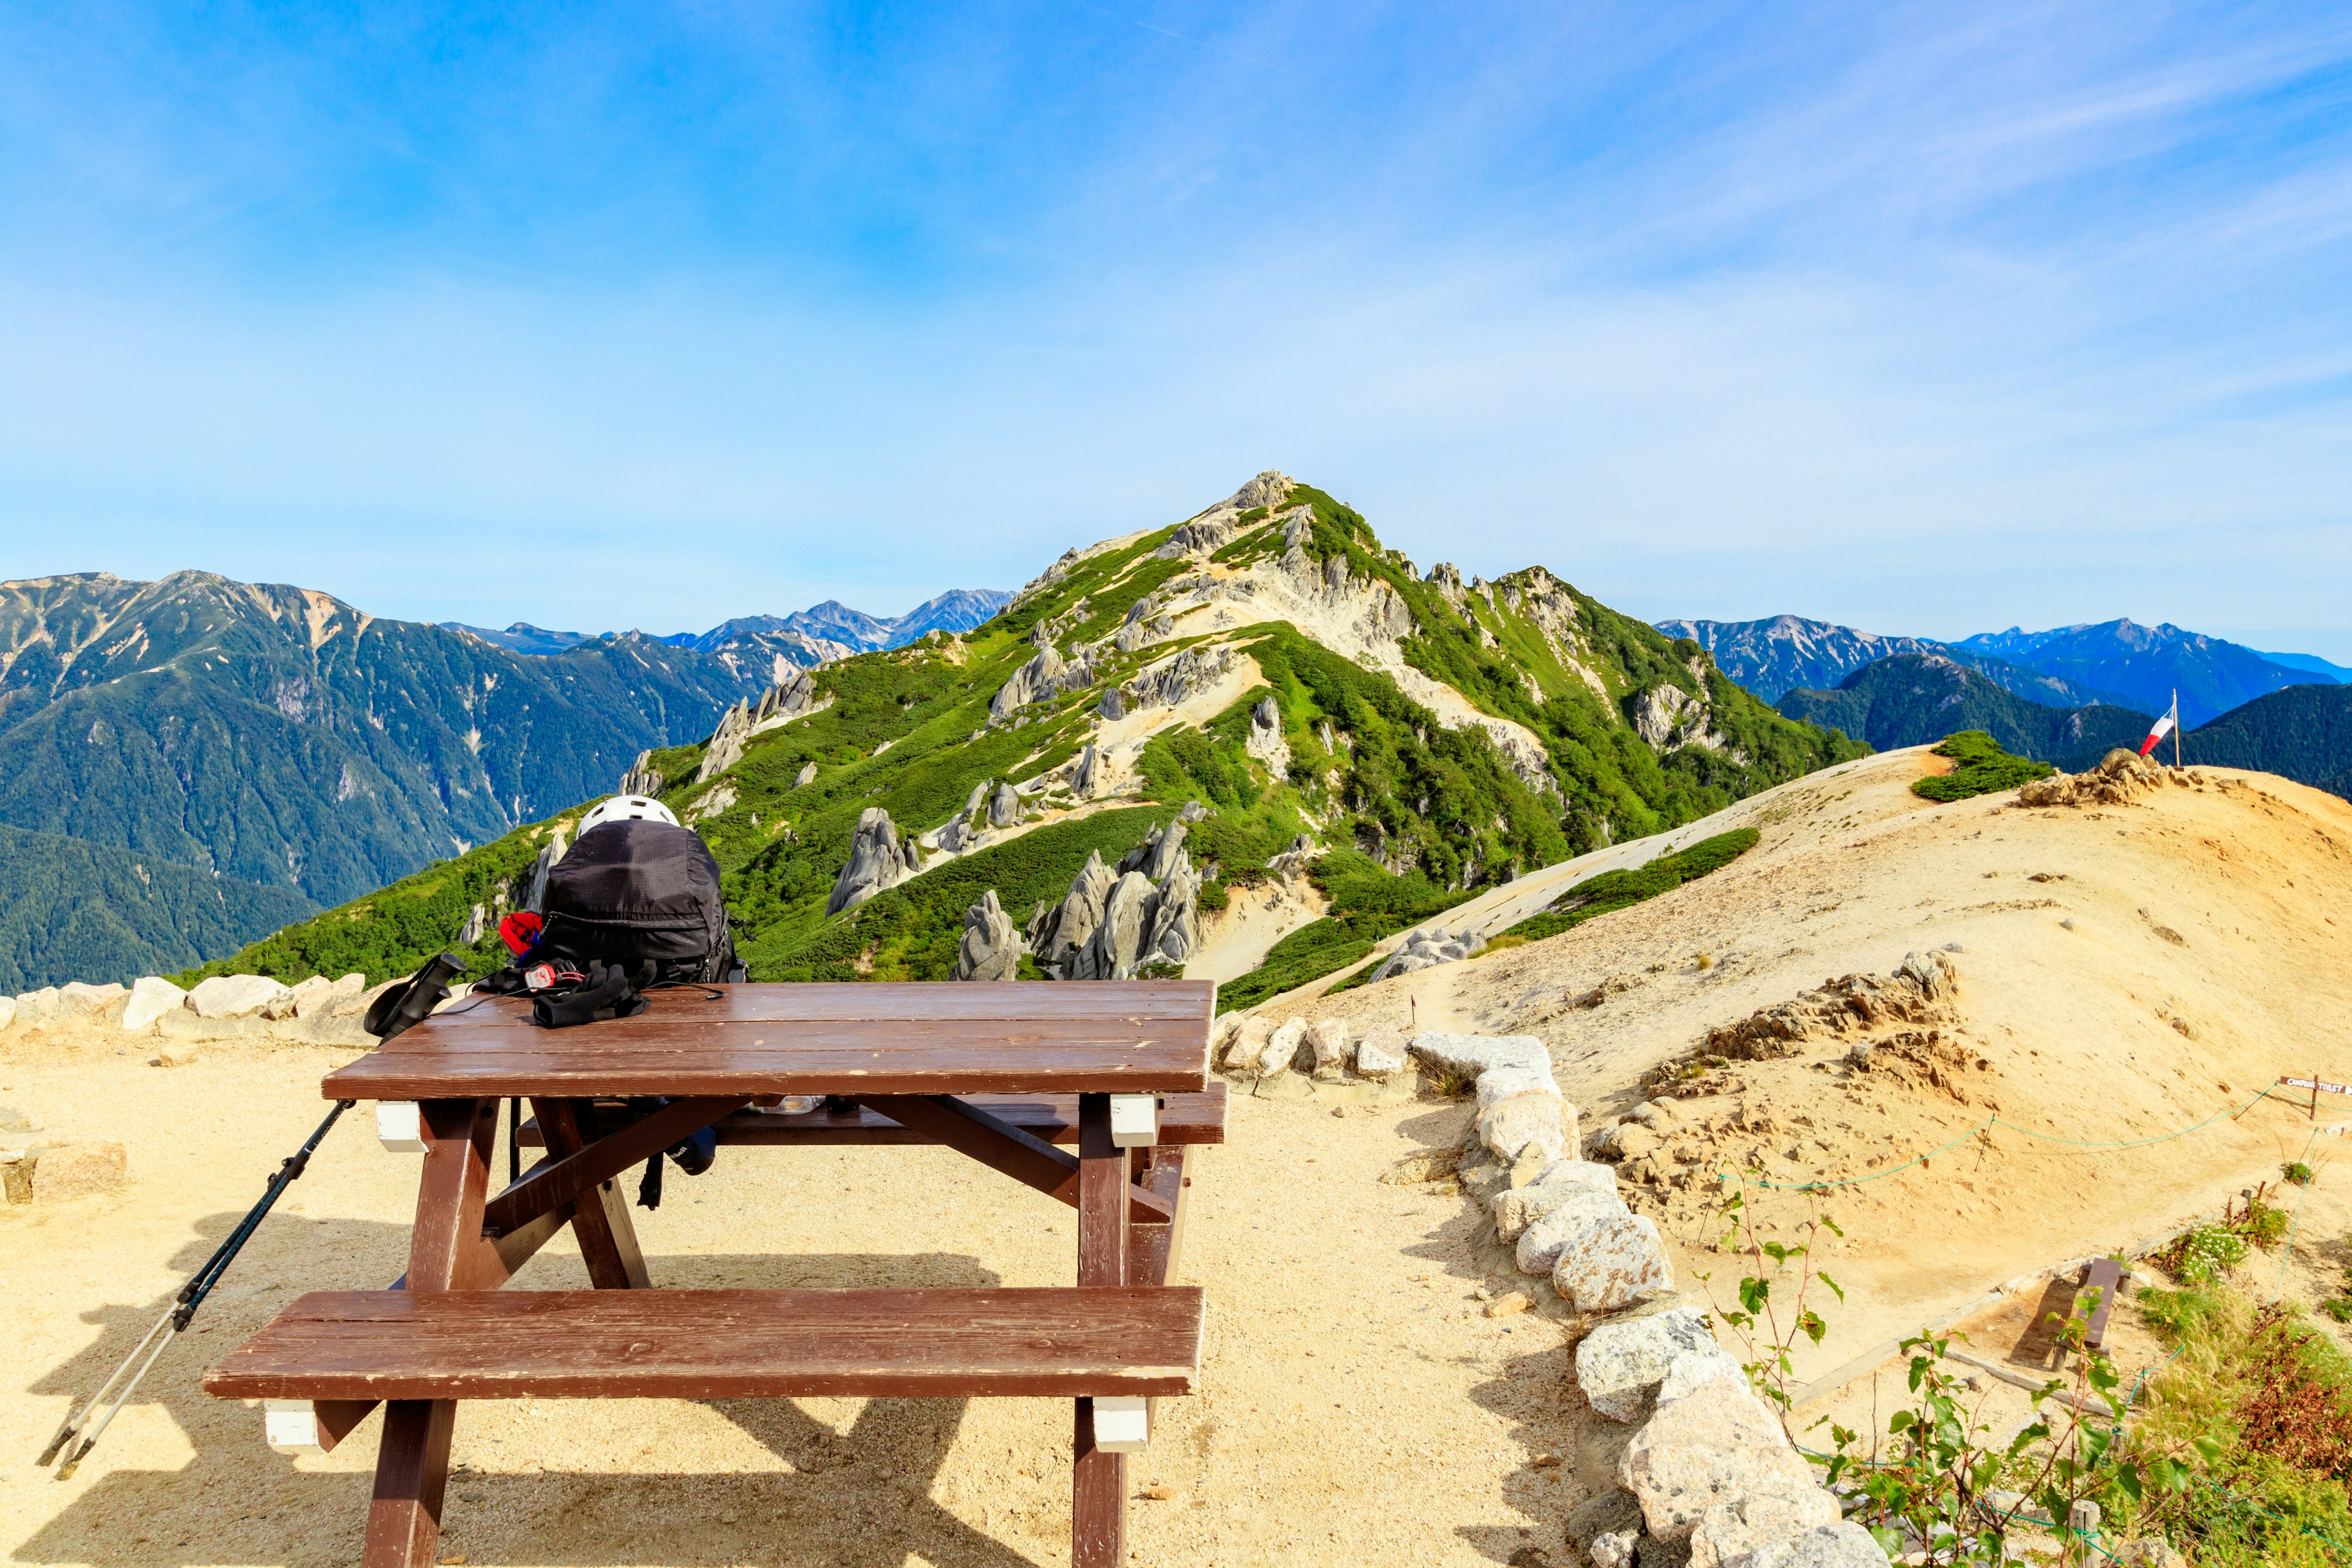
x=853, y=1498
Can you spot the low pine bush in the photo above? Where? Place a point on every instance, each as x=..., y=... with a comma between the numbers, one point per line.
x=1985, y=768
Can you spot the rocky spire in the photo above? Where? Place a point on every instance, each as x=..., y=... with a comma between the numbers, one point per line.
x=990, y=947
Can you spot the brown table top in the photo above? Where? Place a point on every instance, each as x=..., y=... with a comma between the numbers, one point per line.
x=1140, y=1036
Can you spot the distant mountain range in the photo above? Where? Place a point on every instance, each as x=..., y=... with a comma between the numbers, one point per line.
x=2302, y=734
x=2116, y=662
x=1909, y=698
x=801, y=640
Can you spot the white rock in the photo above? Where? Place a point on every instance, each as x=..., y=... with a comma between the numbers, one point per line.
x=1715, y=1445
x=1693, y=1367
x=1576, y=1211
x=1619, y=1365
x=38, y=1008
x=1248, y=1043
x=1780, y=1510
x=150, y=999
x=1470, y=1055
x=332, y=998
x=235, y=995
x=1543, y=1124
x=1521, y=1206
x=1330, y=1038
x=1280, y=1047
x=1501, y=1083
x=1613, y=1550
x=7, y=1013
x=1612, y=1265
x=1381, y=1054
x=78, y=998
x=1844, y=1545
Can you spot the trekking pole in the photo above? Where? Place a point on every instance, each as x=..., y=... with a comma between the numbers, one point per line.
x=183, y=1307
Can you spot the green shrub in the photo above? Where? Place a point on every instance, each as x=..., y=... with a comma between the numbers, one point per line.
x=1612, y=891
x=2298, y=1172
x=1984, y=768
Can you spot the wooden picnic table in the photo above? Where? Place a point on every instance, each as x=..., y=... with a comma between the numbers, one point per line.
x=1007, y=1074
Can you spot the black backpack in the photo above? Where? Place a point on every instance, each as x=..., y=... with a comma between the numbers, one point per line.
x=641, y=894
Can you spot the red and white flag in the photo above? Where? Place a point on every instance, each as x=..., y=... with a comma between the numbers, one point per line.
x=2163, y=728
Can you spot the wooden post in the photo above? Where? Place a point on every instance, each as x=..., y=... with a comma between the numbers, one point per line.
x=412, y=1467
x=1097, y=1480
x=600, y=1217
x=2314, y=1094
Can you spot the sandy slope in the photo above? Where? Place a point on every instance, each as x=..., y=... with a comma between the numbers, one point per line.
x=2125, y=972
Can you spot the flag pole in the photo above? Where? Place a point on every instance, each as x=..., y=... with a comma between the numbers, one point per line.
x=2176, y=729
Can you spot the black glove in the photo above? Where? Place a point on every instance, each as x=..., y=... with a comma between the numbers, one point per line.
x=606, y=993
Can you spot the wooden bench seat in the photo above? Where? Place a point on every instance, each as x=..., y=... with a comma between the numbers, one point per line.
x=1183, y=1119
x=2106, y=1276
x=721, y=1344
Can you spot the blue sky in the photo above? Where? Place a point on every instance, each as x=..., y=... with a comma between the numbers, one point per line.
x=1927, y=319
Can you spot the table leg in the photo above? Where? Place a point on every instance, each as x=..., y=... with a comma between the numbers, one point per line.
x=1098, y=1480
x=600, y=1217
x=412, y=1467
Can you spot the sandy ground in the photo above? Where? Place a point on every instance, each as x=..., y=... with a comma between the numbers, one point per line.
x=2125, y=972
x=1354, y=1391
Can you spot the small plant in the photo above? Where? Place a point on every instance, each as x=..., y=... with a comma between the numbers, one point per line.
x=1766, y=1327
x=2298, y=1172
x=2205, y=1254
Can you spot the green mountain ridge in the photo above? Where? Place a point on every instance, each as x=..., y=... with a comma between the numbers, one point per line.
x=1912, y=699
x=71, y=910
x=1268, y=659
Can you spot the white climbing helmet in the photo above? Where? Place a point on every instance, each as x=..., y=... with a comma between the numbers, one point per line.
x=626, y=809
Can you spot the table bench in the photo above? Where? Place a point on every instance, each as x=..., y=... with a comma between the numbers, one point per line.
x=1020, y=1076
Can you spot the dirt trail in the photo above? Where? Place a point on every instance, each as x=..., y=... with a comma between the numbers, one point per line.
x=1353, y=1391
x=2125, y=972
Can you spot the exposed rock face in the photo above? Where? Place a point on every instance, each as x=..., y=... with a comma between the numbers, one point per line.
x=1046, y=675
x=1116, y=949
x=1005, y=807
x=1267, y=742
x=726, y=748
x=1086, y=773
x=558, y=841
x=642, y=778
x=1175, y=680
x=1156, y=856
x=1059, y=932
x=1267, y=488
x=806, y=776
x=1426, y=950
x=877, y=860
x=1175, y=931
x=990, y=947
x=1920, y=990
x=1667, y=716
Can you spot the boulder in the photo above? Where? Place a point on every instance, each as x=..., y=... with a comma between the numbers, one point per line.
x=7, y=1014
x=805, y=777
x=1690, y=1368
x=1381, y=1052
x=1844, y=1545
x=877, y=860
x=151, y=999
x=331, y=1000
x=1619, y=1365
x=1780, y=1509
x=1502, y=1083
x=990, y=947
x=78, y=1170
x=1467, y=1055
x=1004, y=807
x=235, y=995
x=1175, y=931
x=1716, y=1445
x=1529, y=1124
x=1572, y=1213
x=1086, y=773
x=1612, y=1265
x=1247, y=1042
x=1282, y=1048
x=1521, y=1207
x=1613, y=1549
x=1265, y=740
x=1426, y=950
x=79, y=999
x=1330, y=1038
x=38, y=1009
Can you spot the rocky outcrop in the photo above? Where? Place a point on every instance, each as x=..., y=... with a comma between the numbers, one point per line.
x=1177, y=679
x=1267, y=742
x=642, y=777
x=1059, y=932
x=1156, y=856
x=1666, y=716
x=2120, y=777
x=1426, y=950
x=726, y=747
x=1087, y=772
x=1048, y=675
x=1005, y=807
x=877, y=860
x=1921, y=990
x=238, y=996
x=1175, y=930
x=1266, y=489
x=990, y=947
x=1116, y=949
